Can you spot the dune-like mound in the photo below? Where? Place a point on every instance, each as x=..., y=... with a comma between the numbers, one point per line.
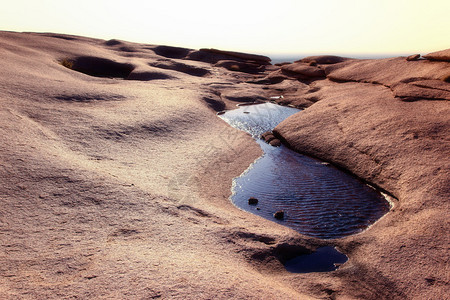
x=116, y=171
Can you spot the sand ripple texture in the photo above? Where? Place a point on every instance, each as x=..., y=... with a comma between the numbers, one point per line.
x=318, y=199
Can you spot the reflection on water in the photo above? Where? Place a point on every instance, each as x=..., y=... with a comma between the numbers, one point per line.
x=318, y=200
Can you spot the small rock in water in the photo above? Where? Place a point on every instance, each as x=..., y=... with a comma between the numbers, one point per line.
x=265, y=134
x=269, y=138
x=252, y=201
x=275, y=142
x=279, y=215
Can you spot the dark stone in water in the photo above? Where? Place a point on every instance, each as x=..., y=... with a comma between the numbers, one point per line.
x=265, y=134
x=275, y=143
x=324, y=259
x=269, y=138
x=252, y=201
x=279, y=215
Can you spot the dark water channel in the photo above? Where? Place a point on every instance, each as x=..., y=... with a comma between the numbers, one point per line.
x=318, y=199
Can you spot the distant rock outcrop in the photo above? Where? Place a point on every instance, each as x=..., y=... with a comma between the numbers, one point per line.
x=443, y=55
x=171, y=52
x=214, y=55
x=305, y=70
x=240, y=66
x=386, y=71
x=324, y=59
x=181, y=67
x=413, y=57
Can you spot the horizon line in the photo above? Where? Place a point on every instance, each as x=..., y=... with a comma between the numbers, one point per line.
x=275, y=55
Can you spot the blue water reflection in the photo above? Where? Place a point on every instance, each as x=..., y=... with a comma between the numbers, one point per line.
x=318, y=199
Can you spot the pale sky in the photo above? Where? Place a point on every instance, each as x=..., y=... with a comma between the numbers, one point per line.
x=257, y=26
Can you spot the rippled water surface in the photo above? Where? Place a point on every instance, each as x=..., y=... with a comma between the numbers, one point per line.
x=318, y=199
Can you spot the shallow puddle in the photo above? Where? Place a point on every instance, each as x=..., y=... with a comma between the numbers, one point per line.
x=317, y=199
x=324, y=259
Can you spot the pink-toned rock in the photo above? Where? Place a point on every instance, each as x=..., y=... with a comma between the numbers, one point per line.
x=241, y=55
x=433, y=84
x=304, y=70
x=282, y=64
x=171, y=52
x=443, y=55
x=78, y=193
x=242, y=96
x=85, y=181
x=413, y=91
x=266, y=134
x=413, y=57
x=215, y=55
x=147, y=75
x=275, y=142
x=190, y=69
x=238, y=66
x=269, y=138
x=324, y=59
x=386, y=71
x=114, y=42
x=100, y=66
x=276, y=77
x=399, y=146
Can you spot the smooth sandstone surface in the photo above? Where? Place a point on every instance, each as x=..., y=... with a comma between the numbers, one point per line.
x=387, y=71
x=443, y=55
x=324, y=59
x=403, y=148
x=116, y=173
x=304, y=69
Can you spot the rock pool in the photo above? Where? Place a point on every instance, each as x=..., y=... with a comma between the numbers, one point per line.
x=317, y=199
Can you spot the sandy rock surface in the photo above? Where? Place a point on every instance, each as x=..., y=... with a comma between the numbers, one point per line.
x=304, y=69
x=116, y=172
x=362, y=124
x=443, y=55
x=324, y=59
x=387, y=71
